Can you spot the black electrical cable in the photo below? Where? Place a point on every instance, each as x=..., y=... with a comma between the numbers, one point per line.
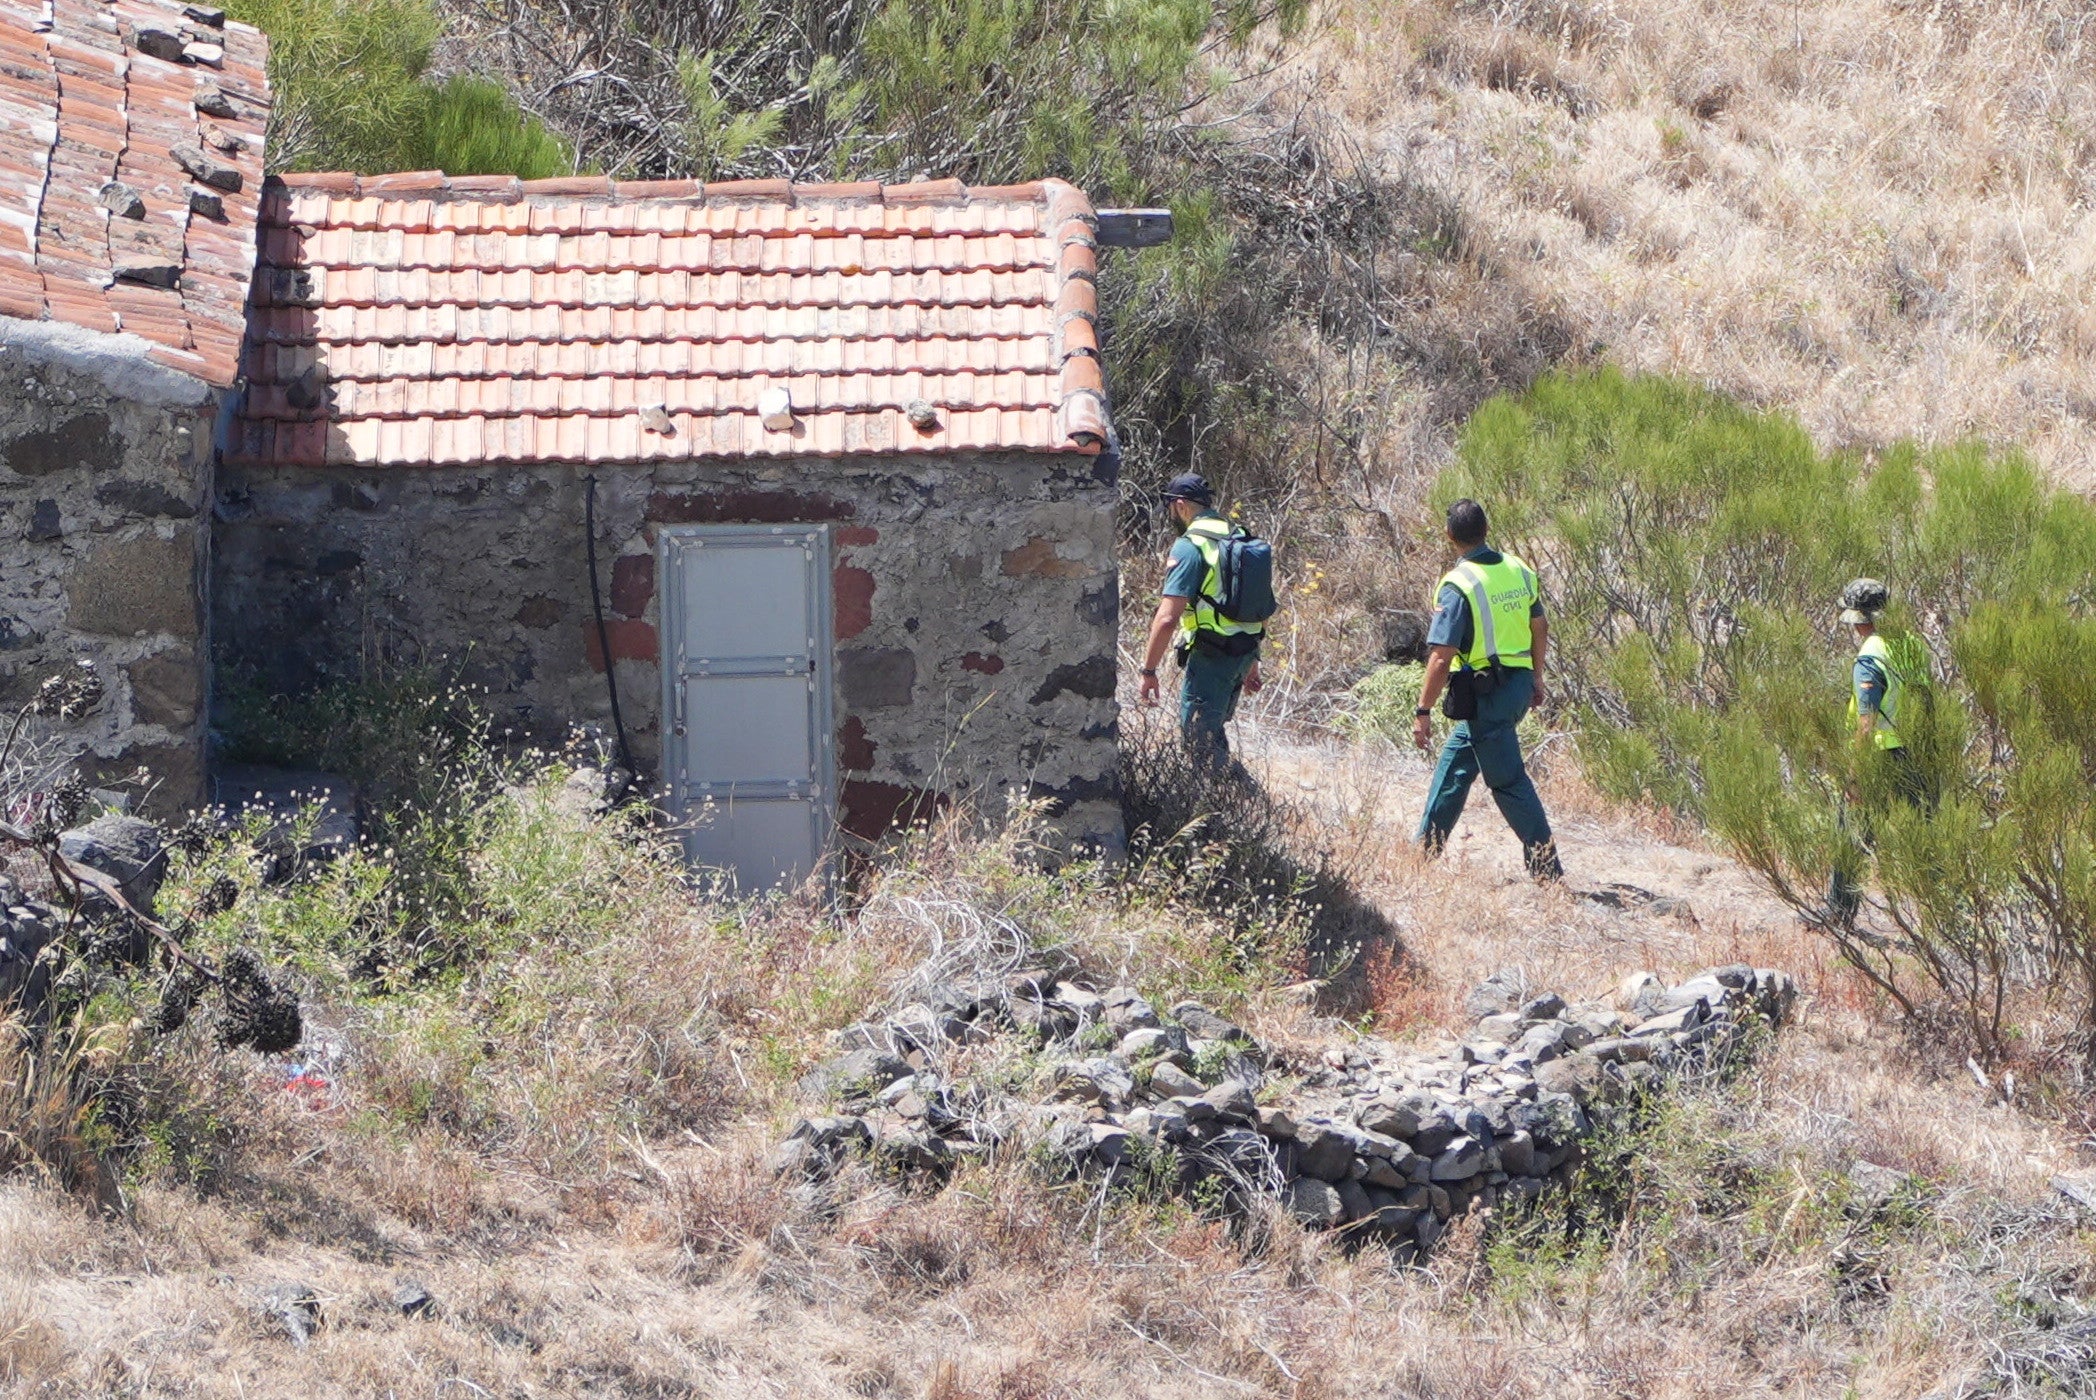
x=611, y=673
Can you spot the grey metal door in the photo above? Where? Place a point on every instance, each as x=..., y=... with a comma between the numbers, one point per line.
x=746, y=702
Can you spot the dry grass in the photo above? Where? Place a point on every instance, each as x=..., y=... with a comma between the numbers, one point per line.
x=1874, y=213
x=675, y=1264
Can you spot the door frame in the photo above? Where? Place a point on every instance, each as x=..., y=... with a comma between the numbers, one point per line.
x=815, y=539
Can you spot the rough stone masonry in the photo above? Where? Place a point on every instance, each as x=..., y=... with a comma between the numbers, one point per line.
x=974, y=602
x=105, y=474
x=1371, y=1140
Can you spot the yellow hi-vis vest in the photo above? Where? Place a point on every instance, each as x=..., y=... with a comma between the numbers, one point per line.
x=1904, y=662
x=1500, y=597
x=1208, y=532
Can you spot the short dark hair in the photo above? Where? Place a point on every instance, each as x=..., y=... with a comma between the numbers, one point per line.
x=1466, y=522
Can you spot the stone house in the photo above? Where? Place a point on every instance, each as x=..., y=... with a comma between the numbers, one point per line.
x=840, y=447
x=855, y=526
x=130, y=177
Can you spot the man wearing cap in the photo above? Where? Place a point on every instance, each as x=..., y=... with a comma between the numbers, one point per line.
x=1882, y=679
x=1488, y=637
x=1221, y=656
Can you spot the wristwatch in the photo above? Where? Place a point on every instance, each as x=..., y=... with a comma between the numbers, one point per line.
x=1150, y=671
x=1420, y=712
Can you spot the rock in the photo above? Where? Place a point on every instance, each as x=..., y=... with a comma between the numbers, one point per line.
x=293, y=1306
x=130, y=851
x=1127, y=1011
x=160, y=43
x=1275, y=1123
x=1353, y=1201
x=210, y=55
x=1871, y=1189
x=1383, y=1172
x=1233, y=1100
x=1103, y=1080
x=210, y=16
x=1201, y=1022
x=1082, y=1000
x=1427, y=1231
x=1774, y=994
x=1404, y=635
x=1547, y=1007
x=1144, y=1042
x=1504, y=1028
x=1498, y=994
x=1622, y=1049
x=1579, y=1075
x=1388, y=1117
x=2079, y=1187
x=1436, y=1131
x=212, y=101
x=1168, y=1078
x=913, y=1151
x=1670, y=1022
x=1737, y=976
x=817, y=1147
x=1315, y=1203
x=1517, y=1153
x=413, y=1298
x=1047, y=1021
x=855, y=1074
x=1323, y=1152
x=206, y=168
x=1461, y=1159
x=1544, y=1042
x=122, y=200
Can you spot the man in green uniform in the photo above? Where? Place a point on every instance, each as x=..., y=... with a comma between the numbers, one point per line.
x=1490, y=630
x=1221, y=656
x=1885, y=675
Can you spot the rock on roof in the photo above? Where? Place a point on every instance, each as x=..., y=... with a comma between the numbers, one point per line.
x=413, y=319
x=131, y=172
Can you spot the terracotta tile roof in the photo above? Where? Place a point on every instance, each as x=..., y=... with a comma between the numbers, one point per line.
x=131, y=172
x=411, y=319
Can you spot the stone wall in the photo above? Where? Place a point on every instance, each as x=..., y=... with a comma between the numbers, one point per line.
x=975, y=601
x=105, y=476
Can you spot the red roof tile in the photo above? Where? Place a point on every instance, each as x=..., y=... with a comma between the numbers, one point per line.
x=409, y=319
x=80, y=107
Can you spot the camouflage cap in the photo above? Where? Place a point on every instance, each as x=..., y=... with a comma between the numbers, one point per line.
x=1863, y=600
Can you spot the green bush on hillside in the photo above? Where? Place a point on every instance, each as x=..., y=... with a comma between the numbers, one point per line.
x=1693, y=549
x=352, y=89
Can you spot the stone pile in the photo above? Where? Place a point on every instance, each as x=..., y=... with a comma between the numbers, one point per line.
x=1371, y=1139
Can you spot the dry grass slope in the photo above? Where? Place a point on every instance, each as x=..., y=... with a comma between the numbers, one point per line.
x=1879, y=214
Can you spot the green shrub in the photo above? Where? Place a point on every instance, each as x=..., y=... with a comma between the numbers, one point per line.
x=352, y=92
x=1380, y=706
x=1693, y=549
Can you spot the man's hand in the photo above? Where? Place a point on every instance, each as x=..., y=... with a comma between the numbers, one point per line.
x=1542, y=696
x=1422, y=732
x=1253, y=684
x=1146, y=693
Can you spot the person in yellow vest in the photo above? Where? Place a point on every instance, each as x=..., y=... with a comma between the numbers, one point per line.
x=1221, y=656
x=1488, y=641
x=1883, y=680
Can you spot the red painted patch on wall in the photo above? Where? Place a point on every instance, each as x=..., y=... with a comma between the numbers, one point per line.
x=872, y=810
x=855, y=748
x=630, y=641
x=852, y=590
x=849, y=536
x=988, y=664
x=632, y=584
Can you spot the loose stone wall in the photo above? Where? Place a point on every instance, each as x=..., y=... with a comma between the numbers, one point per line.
x=105, y=479
x=1372, y=1140
x=975, y=601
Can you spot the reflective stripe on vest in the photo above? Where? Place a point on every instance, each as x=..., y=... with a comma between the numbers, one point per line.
x=1500, y=597
x=1903, y=662
x=1208, y=532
